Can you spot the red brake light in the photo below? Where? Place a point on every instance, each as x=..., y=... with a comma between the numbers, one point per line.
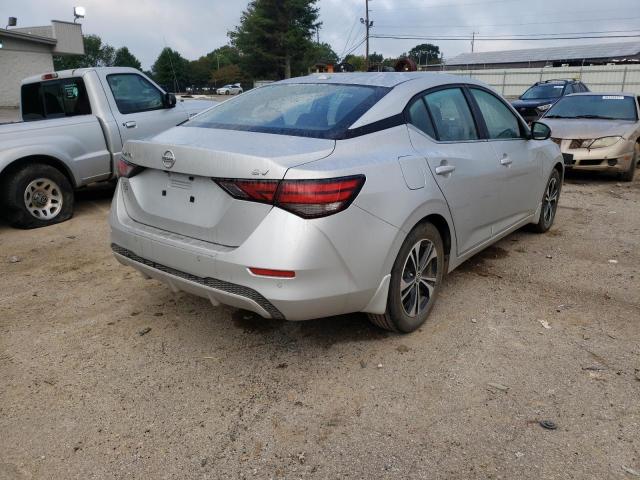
x=318, y=198
x=126, y=169
x=255, y=190
x=305, y=198
x=49, y=76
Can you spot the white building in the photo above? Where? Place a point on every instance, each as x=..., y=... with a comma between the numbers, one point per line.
x=29, y=51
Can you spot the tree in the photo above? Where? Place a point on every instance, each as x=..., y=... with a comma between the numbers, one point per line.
x=320, y=52
x=274, y=37
x=375, y=58
x=170, y=70
x=229, y=74
x=96, y=54
x=425, y=53
x=357, y=61
x=202, y=71
x=124, y=58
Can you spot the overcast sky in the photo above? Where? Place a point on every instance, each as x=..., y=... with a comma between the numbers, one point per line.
x=195, y=27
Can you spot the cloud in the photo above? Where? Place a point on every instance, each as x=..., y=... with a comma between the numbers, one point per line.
x=195, y=27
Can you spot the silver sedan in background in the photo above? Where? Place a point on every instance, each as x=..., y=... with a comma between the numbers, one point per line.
x=597, y=132
x=333, y=194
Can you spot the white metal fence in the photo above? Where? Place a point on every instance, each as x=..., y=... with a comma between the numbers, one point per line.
x=604, y=78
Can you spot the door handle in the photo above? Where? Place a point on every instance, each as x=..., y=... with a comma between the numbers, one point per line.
x=445, y=169
x=505, y=161
x=130, y=124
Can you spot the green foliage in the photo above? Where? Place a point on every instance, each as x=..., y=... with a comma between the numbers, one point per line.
x=275, y=36
x=96, y=54
x=375, y=58
x=357, y=61
x=124, y=58
x=202, y=72
x=230, y=74
x=320, y=53
x=171, y=70
x=425, y=53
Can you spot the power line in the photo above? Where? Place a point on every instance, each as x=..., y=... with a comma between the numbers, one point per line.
x=477, y=36
x=355, y=22
x=354, y=48
x=468, y=37
x=592, y=20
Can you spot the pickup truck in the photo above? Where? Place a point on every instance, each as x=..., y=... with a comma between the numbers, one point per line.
x=74, y=124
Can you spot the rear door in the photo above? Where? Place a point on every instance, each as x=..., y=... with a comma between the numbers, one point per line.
x=520, y=168
x=138, y=106
x=463, y=165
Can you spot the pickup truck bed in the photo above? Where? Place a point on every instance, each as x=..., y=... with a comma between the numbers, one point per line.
x=75, y=125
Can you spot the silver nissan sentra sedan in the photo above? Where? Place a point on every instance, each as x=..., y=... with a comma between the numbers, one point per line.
x=598, y=132
x=332, y=194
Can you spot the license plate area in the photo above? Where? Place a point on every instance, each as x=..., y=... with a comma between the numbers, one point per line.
x=568, y=159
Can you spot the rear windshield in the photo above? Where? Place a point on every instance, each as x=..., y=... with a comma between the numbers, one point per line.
x=54, y=99
x=607, y=107
x=546, y=90
x=309, y=110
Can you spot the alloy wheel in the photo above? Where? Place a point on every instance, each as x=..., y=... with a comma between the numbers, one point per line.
x=419, y=276
x=43, y=198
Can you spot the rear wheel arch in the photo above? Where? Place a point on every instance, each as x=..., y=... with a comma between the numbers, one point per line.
x=443, y=228
x=54, y=162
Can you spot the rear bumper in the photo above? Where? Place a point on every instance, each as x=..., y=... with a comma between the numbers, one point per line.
x=217, y=291
x=335, y=272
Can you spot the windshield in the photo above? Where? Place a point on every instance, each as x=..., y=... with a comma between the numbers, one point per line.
x=302, y=109
x=543, y=91
x=608, y=107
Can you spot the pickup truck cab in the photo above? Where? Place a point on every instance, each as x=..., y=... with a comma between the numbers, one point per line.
x=74, y=124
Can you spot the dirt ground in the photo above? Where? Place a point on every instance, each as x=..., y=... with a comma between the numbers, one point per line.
x=538, y=327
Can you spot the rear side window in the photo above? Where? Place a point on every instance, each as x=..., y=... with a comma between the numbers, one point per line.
x=451, y=115
x=500, y=121
x=134, y=93
x=419, y=117
x=54, y=99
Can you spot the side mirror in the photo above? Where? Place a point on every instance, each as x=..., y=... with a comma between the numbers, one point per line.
x=540, y=131
x=169, y=100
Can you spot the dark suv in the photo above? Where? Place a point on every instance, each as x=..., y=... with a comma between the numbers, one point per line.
x=542, y=95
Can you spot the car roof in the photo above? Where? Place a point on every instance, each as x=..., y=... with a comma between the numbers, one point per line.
x=380, y=79
x=604, y=94
x=79, y=72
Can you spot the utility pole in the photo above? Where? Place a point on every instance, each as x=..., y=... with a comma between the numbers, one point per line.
x=367, y=25
x=473, y=40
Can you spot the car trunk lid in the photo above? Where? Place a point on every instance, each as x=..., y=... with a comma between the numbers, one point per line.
x=182, y=198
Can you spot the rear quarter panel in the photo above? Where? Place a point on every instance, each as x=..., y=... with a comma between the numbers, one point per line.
x=385, y=194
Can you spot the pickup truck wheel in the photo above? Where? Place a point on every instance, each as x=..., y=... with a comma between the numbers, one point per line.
x=37, y=195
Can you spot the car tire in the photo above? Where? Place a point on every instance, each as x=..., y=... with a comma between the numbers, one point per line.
x=36, y=195
x=550, y=199
x=227, y=92
x=413, y=291
x=631, y=171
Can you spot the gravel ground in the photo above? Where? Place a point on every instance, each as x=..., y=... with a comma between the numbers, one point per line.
x=538, y=327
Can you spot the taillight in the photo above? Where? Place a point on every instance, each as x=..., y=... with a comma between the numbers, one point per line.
x=255, y=190
x=305, y=198
x=128, y=170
